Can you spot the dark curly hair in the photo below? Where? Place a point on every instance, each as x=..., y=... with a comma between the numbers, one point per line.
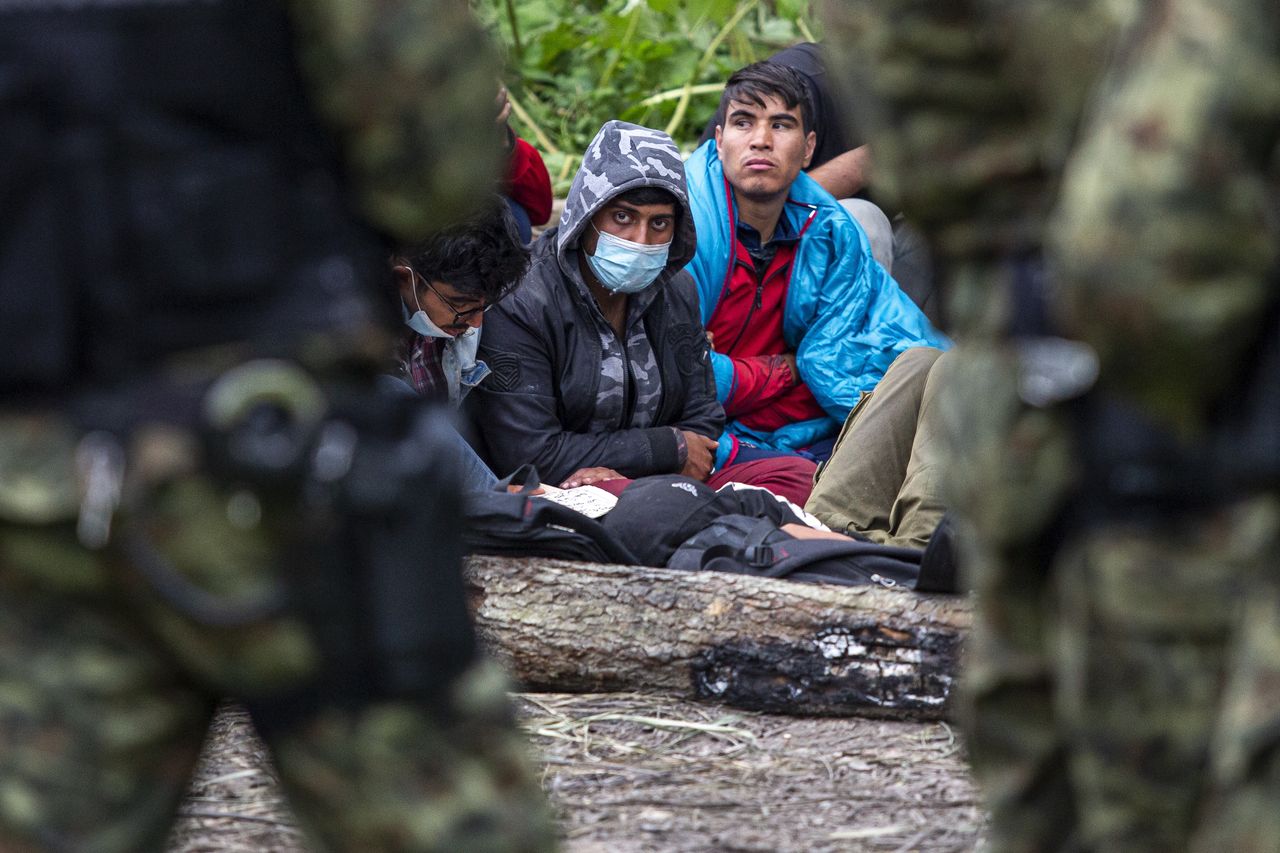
x=482, y=256
x=751, y=85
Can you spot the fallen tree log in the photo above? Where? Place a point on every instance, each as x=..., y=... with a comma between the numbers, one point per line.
x=767, y=645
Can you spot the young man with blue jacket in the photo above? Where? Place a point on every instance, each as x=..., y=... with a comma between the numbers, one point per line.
x=802, y=319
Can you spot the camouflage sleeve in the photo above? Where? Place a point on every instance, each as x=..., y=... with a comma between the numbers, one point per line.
x=1167, y=230
x=969, y=108
x=408, y=87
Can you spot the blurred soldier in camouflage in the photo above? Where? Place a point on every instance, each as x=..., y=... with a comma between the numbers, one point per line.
x=200, y=494
x=1100, y=179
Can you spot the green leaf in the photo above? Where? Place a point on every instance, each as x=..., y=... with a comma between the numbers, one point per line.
x=586, y=61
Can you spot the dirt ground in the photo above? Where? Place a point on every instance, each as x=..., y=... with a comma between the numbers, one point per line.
x=629, y=773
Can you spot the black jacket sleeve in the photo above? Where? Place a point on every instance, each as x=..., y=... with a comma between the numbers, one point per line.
x=519, y=412
x=686, y=341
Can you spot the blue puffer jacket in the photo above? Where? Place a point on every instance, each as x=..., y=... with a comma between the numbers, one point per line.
x=845, y=318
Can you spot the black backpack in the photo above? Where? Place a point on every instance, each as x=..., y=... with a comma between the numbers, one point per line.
x=744, y=545
x=515, y=524
x=680, y=523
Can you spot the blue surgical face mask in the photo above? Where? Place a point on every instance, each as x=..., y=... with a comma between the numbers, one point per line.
x=422, y=324
x=465, y=344
x=626, y=267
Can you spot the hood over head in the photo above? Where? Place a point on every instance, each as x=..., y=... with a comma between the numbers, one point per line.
x=624, y=156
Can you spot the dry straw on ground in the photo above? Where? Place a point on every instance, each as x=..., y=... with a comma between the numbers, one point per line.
x=631, y=772
x=235, y=804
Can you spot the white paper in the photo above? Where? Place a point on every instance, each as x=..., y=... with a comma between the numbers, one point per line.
x=591, y=501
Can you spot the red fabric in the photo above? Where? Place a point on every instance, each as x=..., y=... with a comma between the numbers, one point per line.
x=747, y=327
x=790, y=477
x=614, y=487
x=528, y=183
x=420, y=362
x=797, y=404
x=748, y=316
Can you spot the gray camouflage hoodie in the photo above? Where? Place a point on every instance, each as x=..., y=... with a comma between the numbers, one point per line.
x=623, y=157
x=566, y=392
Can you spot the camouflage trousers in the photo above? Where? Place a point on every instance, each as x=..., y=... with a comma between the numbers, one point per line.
x=1122, y=688
x=106, y=693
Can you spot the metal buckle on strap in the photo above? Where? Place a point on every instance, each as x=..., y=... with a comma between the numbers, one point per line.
x=758, y=556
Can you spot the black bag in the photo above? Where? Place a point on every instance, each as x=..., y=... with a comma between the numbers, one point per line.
x=656, y=515
x=507, y=524
x=679, y=523
x=756, y=546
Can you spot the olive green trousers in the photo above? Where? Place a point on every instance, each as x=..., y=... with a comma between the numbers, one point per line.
x=882, y=480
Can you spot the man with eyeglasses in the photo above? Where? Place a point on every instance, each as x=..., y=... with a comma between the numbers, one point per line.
x=446, y=285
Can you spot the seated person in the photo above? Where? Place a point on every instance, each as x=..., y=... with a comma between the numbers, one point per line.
x=526, y=185
x=600, y=365
x=446, y=284
x=842, y=165
x=882, y=482
x=803, y=320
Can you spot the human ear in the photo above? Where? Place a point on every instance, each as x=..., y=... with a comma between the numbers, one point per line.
x=589, y=237
x=810, y=143
x=406, y=284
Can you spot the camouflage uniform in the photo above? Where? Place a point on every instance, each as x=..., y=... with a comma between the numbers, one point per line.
x=106, y=686
x=1127, y=144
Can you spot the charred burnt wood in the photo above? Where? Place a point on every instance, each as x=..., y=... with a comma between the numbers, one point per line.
x=777, y=646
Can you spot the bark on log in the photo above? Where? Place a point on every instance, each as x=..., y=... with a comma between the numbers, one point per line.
x=777, y=646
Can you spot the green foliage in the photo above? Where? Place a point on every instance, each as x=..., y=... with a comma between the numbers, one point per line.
x=575, y=64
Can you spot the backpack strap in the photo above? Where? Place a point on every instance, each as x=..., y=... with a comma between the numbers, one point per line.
x=756, y=551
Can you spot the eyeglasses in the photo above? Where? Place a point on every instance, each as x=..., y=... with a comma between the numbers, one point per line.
x=459, y=317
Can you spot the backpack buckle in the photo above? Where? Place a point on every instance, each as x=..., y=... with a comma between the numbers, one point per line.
x=758, y=556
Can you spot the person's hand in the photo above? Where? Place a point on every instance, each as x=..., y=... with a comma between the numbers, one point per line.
x=802, y=531
x=711, y=340
x=789, y=359
x=587, y=476
x=702, y=455
x=515, y=490
x=503, y=104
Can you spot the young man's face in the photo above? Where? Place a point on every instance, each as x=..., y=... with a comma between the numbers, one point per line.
x=650, y=224
x=763, y=148
x=450, y=309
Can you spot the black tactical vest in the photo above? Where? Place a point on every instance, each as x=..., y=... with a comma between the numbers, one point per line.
x=164, y=186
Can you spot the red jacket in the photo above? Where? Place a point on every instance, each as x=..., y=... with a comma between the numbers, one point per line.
x=747, y=327
x=528, y=183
